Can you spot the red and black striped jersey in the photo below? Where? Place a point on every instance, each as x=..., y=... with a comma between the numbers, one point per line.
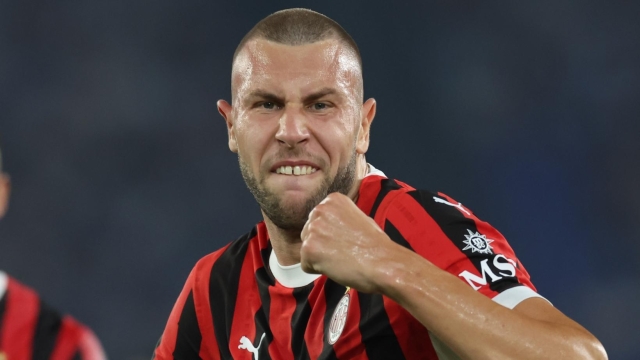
x=30, y=329
x=236, y=303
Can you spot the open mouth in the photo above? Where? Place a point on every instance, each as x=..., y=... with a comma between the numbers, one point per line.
x=295, y=170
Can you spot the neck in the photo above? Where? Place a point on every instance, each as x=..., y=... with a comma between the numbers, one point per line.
x=286, y=243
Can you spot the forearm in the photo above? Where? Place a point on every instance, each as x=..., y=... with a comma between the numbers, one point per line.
x=474, y=326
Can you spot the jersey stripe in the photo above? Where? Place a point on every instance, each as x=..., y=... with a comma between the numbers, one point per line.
x=280, y=318
x=369, y=189
x=201, y=300
x=223, y=289
x=262, y=325
x=333, y=293
x=314, y=332
x=189, y=337
x=386, y=186
x=299, y=320
x=16, y=334
x=209, y=348
x=377, y=335
x=411, y=329
x=47, y=329
x=395, y=235
x=68, y=339
x=3, y=307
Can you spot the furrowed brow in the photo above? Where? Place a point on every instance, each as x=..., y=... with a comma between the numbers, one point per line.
x=319, y=94
x=262, y=95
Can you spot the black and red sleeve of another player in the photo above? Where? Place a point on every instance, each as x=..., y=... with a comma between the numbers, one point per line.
x=30, y=329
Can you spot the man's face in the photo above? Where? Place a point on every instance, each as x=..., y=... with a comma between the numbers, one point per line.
x=296, y=124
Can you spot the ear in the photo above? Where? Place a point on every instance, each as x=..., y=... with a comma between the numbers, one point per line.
x=368, y=113
x=225, y=109
x=5, y=190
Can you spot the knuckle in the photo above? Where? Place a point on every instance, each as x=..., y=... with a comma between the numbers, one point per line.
x=334, y=196
x=319, y=211
x=306, y=248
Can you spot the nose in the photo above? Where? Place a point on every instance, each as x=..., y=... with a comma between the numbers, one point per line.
x=292, y=128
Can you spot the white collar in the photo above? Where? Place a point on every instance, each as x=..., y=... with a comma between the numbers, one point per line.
x=292, y=276
x=374, y=171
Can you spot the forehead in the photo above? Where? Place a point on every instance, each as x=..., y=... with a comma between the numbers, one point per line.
x=263, y=63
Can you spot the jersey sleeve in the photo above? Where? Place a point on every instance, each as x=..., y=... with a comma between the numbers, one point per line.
x=90, y=347
x=190, y=320
x=76, y=341
x=451, y=237
x=33, y=329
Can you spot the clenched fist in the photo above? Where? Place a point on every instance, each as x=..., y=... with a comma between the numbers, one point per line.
x=343, y=243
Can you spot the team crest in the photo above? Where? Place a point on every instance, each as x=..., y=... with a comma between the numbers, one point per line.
x=478, y=243
x=338, y=319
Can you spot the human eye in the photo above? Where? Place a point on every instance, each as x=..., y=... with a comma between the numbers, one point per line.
x=268, y=105
x=319, y=106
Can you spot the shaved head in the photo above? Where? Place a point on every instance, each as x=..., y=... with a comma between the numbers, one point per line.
x=295, y=27
x=298, y=27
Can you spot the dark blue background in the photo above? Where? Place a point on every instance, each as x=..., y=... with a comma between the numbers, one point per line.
x=527, y=112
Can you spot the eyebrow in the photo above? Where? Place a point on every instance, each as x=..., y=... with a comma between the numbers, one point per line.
x=268, y=96
x=262, y=94
x=319, y=94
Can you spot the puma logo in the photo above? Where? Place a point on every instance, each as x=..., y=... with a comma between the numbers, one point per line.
x=458, y=205
x=246, y=344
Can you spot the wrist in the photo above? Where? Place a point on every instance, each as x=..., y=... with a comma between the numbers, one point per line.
x=396, y=272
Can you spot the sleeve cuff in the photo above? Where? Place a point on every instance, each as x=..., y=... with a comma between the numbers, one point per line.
x=514, y=296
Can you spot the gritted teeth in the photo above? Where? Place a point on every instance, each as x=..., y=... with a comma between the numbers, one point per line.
x=296, y=170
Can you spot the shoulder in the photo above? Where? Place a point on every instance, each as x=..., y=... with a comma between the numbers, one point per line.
x=436, y=218
x=435, y=223
x=84, y=341
x=51, y=332
x=221, y=263
x=381, y=196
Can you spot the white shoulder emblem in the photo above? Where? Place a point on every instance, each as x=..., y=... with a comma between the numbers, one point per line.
x=338, y=319
x=478, y=243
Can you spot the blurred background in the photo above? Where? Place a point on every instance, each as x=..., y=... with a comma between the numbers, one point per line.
x=526, y=112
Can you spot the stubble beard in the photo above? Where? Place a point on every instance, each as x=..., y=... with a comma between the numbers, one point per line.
x=292, y=217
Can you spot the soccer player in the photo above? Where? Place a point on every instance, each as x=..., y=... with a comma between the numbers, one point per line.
x=29, y=328
x=348, y=264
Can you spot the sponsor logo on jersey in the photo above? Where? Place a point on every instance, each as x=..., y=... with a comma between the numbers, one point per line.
x=246, y=344
x=499, y=268
x=477, y=243
x=338, y=319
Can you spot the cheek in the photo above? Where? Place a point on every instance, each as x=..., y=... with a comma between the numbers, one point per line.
x=253, y=142
x=338, y=140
